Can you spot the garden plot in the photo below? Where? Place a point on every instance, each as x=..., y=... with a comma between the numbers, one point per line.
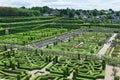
x=32, y=36
x=116, y=47
x=24, y=60
x=89, y=42
x=82, y=70
x=16, y=65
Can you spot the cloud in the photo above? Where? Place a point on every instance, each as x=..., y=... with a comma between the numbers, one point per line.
x=76, y=4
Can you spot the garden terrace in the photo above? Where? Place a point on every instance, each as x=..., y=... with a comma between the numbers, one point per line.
x=17, y=64
x=22, y=25
x=57, y=38
x=79, y=23
x=115, y=47
x=86, y=43
x=83, y=70
x=28, y=23
x=22, y=19
x=32, y=36
x=23, y=60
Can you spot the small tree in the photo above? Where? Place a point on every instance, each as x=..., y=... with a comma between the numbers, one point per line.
x=103, y=64
x=74, y=75
x=56, y=59
x=18, y=64
x=41, y=52
x=5, y=48
x=114, y=71
x=47, y=59
x=99, y=44
x=18, y=77
x=117, y=78
x=36, y=51
x=79, y=56
x=64, y=73
x=71, y=14
x=92, y=51
x=5, y=64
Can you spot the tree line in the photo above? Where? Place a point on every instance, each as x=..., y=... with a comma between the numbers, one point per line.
x=36, y=11
x=9, y=11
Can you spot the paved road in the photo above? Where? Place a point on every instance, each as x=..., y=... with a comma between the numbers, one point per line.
x=107, y=45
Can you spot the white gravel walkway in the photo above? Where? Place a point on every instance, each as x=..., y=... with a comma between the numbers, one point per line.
x=107, y=45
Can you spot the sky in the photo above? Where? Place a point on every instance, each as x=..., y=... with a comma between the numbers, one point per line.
x=60, y=4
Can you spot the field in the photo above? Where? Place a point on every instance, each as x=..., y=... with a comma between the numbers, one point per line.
x=85, y=43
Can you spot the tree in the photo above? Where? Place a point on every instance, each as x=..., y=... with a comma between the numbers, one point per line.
x=79, y=56
x=64, y=73
x=18, y=77
x=5, y=64
x=114, y=71
x=47, y=59
x=18, y=64
x=103, y=64
x=117, y=78
x=74, y=74
x=36, y=51
x=112, y=11
x=77, y=12
x=71, y=14
x=23, y=7
x=46, y=9
x=56, y=59
x=5, y=48
x=95, y=12
x=99, y=44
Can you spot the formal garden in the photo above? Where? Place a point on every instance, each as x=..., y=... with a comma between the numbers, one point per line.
x=32, y=36
x=16, y=65
x=85, y=43
x=72, y=56
x=116, y=47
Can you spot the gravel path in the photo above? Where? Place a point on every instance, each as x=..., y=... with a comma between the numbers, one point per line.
x=55, y=39
x=40, y=72
x=109, y=73
x=108, y=70
x=70, y=76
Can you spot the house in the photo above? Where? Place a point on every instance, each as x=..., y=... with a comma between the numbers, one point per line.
x=46, y=14
x=116, y=19
x=83, y=16
x=76, y=16
x=65, y=17
x=54, y=12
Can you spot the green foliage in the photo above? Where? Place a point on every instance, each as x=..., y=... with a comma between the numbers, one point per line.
x=117, y=78
x=8, y=11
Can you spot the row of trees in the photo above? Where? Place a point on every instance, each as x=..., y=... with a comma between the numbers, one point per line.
x=8, y=11
x=35, y=11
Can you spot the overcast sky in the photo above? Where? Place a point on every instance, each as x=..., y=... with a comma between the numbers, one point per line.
x=75, y=4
